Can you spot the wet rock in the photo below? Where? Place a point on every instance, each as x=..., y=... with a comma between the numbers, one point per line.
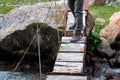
x=113, y=76
x=115, y=62
x=21, y=39
x=27, y=67
x=108, y=53
x=118, y=60
x=113, y=70
x=100, y=78
x=112, y=61
x=116, y=43
x=98, y=59
x=100, y=69
x=111, y=31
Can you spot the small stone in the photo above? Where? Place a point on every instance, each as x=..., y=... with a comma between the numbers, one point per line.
x=27, y=67
x=112, y=61
x=101, y=20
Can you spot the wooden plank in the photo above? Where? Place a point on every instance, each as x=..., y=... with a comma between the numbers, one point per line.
x=67, y=39
x=68, y=67
x=72, y=47
x=70, y=57
x=65, y=77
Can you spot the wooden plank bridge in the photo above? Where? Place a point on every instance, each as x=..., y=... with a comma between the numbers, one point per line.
x=70, y=61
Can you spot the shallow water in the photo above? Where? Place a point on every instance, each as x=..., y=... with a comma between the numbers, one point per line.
x=20, y=76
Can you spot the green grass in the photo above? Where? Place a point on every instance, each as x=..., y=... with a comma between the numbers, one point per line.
x=104, y=12
x=17, y=1
x=4, y=10
x=7, y=4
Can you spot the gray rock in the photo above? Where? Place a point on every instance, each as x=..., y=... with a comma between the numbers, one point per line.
x=106, y=50
x=19, y=18
x=1, y=17
x=118, y=61
x=115, y=62
x=105, y=44
x=109, y=53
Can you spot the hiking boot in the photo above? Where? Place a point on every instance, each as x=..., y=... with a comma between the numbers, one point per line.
x=72, y=27
x=76, y=38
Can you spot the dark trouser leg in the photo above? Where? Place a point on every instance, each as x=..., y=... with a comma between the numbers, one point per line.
x=78, y=16
x=71, y=4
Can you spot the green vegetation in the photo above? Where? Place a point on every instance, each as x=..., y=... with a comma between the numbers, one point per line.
x=94, y=43
x=17, y=1
x=7, y=5
x=104, y=12
x=4, y=10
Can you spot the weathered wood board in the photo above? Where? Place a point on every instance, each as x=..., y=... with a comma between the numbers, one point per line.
x=78, y=57
x=69, y=60
x=68, y=67
x=72, y=47
x=67, y=39
x=65, y=77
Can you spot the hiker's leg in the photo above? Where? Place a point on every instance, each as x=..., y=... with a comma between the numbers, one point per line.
x=78, y=15
x=71, y=4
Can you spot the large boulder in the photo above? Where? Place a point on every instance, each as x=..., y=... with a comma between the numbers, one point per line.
x=113, y=28
x=106, y=50
x=21, y=42
x=19, y=18
x=19, y=28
